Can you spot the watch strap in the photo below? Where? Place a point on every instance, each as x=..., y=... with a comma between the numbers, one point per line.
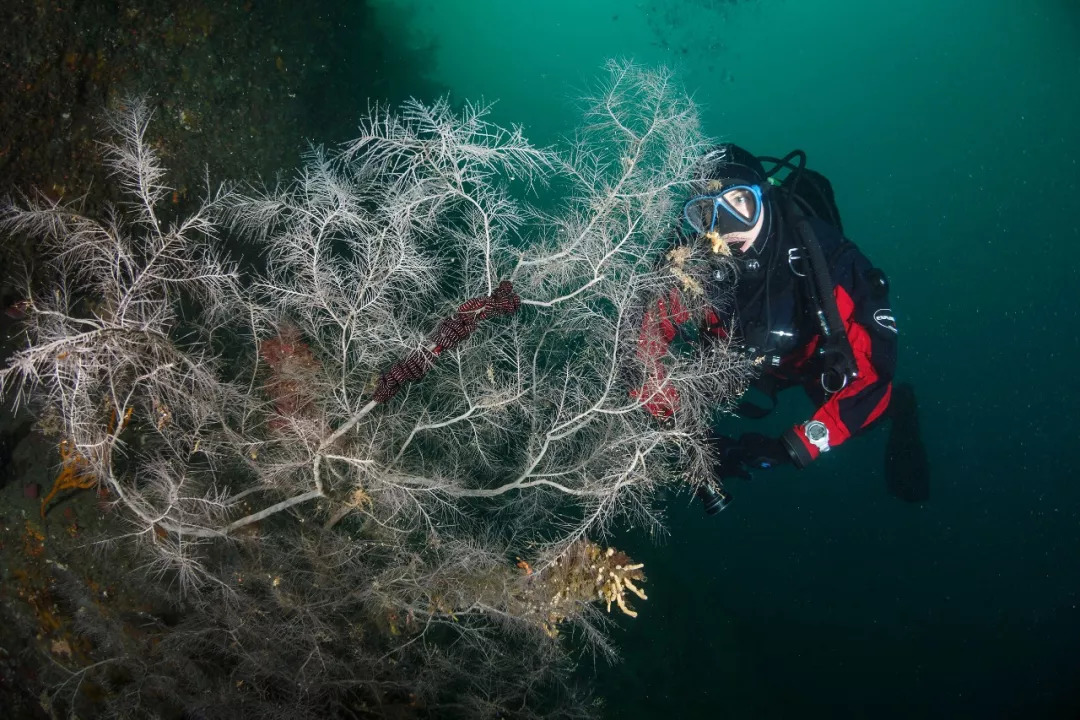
x=798, y=447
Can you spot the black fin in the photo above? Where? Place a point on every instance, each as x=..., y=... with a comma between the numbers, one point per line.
x=907, y=469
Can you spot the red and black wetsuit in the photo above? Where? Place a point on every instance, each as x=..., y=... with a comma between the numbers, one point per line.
x=774, y=317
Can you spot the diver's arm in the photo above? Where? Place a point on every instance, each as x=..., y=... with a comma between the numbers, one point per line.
x=862, y=300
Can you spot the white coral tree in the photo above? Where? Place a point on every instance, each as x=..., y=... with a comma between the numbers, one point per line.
x=211, y=401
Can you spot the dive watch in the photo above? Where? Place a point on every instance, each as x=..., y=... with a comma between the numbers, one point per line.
x=818, y=434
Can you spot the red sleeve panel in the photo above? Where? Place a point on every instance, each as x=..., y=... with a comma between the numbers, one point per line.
x=872, y=333
x=658, y=329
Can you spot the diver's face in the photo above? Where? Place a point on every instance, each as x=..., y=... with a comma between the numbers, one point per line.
x=733, y=213
x=744, y=239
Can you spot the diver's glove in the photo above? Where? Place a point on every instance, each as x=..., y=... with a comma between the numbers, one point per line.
x=752, y=451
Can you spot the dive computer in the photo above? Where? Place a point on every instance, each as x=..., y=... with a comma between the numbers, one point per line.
x=817, y=434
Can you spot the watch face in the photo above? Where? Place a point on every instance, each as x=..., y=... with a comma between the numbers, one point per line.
x=816, y=430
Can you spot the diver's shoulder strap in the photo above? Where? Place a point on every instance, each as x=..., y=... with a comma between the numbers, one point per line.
x=839, y=357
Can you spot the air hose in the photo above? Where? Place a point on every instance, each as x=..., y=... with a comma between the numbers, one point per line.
x=838, y=357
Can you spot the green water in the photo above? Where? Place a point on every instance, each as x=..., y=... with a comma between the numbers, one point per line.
x=948, y=129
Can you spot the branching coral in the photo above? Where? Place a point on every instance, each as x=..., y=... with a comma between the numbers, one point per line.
x=524, y=434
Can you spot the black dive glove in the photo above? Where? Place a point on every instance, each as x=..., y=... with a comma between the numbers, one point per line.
x=752, y=451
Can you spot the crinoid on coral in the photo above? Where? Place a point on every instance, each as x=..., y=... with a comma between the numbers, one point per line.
x=76, y=472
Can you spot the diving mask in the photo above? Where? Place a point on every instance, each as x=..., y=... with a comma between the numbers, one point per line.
x=733, y=213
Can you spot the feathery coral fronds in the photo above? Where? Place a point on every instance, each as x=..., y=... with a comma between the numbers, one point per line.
x=260, y=401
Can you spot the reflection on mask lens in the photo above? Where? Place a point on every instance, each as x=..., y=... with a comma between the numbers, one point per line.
x=742, y=203
x=699, y=213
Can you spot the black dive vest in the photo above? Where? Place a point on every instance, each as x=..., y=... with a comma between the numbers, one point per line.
x=769, y=317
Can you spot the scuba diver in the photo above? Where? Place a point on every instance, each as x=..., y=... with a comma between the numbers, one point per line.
x=807, y=306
